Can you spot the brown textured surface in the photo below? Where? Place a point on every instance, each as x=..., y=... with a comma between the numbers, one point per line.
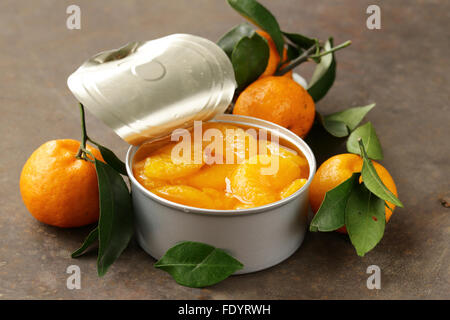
x=404, y=68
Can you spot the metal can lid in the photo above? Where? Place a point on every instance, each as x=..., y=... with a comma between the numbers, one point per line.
x=145, y=90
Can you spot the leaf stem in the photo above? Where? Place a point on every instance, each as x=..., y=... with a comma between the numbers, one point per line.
x=82, y=151
x=308, y=54
x=300, y=59
x=341, y=46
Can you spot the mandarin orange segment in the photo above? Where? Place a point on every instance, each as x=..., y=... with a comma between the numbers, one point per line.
x=186, y=195
x=274, y=172
x=162, y=165
x=213, y=176
x=235, y=146
x=292, y=188
x=273, y=148
x=239, y=146
x=148, y=183
x=224, y=201
x=251, y=183
x=252, y=195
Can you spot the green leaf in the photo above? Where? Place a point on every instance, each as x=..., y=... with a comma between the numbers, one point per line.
x=364, y=219
x=232, y=37
x=369, y=137
x=90, y=239
x=115, y=226
x=351, y=116
x=331, y=214
x=112, y=160
x=335, y=128
x=261, y=17
x=341, y=123
x=373, y=182
x=249, y=59
x=197, y=265
x=324, y=74
x=301, y=41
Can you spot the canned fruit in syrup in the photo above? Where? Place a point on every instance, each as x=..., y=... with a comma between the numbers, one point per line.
x=250, y=179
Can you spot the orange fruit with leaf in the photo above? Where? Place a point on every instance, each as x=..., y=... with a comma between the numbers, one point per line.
x=280, y=100
x=59, y=189
x=336, y=170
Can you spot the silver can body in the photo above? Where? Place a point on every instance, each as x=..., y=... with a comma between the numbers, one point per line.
x=259, y=237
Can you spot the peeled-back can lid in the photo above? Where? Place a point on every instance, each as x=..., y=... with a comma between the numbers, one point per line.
x=145, y=90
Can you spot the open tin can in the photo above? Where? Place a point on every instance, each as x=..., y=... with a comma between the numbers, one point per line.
x=133, y=104
x=258, y=237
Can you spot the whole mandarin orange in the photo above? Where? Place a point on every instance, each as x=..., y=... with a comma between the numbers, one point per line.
x=57, y=188
x=280, y=100
x=336, y=170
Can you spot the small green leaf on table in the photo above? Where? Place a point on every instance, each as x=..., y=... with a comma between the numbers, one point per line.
x=232, y=37
x=256, y=13
x=90, y=239
x=331, y=214
x=350, y=118
x=249, y=59
x=370, y=140
x=324, y=74
x=373, y=182
x=115, y=225
x=364, y=219
x=197, y=265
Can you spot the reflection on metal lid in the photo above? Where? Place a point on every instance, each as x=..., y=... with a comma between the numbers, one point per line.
x=145, y=90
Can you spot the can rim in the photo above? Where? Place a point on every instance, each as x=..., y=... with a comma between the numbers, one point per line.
x=243, y=120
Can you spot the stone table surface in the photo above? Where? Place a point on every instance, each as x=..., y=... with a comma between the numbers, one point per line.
x=404, y=68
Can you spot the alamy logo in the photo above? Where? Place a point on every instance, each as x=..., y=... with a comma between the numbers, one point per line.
x=74, y=280
x=234, y=146
x=374, y=281
x=74, y=20
x=374, y=20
